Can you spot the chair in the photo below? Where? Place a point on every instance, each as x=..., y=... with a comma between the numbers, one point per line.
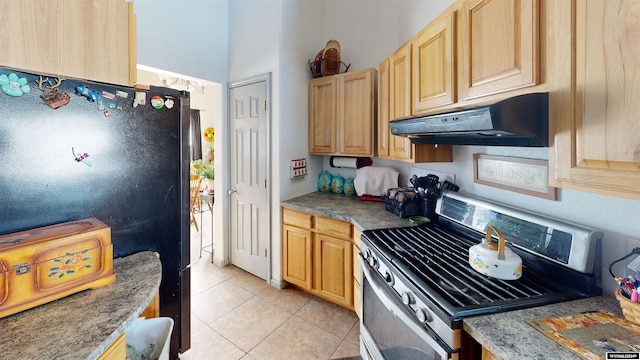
x=194, y=198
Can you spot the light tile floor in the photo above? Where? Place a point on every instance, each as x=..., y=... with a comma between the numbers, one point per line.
x=235, y=315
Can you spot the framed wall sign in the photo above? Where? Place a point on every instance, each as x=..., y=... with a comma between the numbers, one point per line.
x=523, y=175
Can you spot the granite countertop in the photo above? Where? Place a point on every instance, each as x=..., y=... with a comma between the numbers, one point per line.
x=507, y=336
x=365, y=215
x=84, y=325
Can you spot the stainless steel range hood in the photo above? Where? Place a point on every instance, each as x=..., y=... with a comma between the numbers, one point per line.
x=518, y=121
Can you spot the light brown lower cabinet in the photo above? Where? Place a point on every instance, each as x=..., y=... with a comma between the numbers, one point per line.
x=487, y=355
x=116, y=351
x=317, y=255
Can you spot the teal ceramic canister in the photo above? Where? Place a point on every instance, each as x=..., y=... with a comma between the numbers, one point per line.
x=349, y=188
x=324, y=181
x=337, y=184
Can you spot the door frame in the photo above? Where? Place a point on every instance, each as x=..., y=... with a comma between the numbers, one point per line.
x=266, y=77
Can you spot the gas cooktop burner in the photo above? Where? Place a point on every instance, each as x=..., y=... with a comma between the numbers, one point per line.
x=436, y=261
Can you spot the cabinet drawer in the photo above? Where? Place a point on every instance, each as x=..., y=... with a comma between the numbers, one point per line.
x=332, y=227
x=297, y=218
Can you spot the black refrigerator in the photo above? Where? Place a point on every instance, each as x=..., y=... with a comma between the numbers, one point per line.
x=75, y=149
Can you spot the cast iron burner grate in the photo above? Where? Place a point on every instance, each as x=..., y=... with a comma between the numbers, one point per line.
x=436, y=261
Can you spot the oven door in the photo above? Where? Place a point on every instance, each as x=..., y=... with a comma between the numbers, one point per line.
x=390, y=331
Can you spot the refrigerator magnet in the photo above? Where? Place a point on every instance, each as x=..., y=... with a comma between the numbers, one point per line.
x=157, y=102
x=81, y=157
x=209, y=134
x=13, y=85
x=140, y=99
x=169, y=103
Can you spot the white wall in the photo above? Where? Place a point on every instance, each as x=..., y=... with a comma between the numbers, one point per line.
x=254, y=32
x=370, y=30
x=188, y=37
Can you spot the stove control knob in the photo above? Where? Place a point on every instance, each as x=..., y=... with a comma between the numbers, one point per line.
x=373, y=262
x=366, y=254
x=423, y=315
x=407, y=298
x=388, y=277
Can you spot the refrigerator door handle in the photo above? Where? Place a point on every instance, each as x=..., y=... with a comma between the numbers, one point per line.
x=185, y=268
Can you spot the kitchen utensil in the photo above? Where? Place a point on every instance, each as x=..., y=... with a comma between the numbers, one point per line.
x=495, y=260
x=446, y=185
x=414, y=180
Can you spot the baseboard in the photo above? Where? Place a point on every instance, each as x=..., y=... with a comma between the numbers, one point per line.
x=221, y=262
x=278, y=284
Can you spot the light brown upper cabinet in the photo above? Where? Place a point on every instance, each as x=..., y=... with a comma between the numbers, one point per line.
x=322, y=115
x=93, y=40
x=499, y=46
x=400, y=99
x=383, y=109
x=342, y=114
x=356, y=113
x=434, y=76
x=394, y=102
x=595, y=113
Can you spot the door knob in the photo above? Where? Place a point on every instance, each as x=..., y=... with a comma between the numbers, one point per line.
x=233, y=192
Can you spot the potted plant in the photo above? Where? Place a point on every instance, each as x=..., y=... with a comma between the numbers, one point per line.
x=208, y=173
x=196, y=166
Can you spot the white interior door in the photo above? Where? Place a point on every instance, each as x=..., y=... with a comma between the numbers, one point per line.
x=250, y=164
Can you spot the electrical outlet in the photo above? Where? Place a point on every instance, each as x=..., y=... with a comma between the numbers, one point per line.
x=632, y=244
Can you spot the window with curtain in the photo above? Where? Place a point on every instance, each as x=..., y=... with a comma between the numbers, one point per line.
x=195, y=140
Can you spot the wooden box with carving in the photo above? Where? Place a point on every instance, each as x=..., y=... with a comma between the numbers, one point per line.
x=48, y=263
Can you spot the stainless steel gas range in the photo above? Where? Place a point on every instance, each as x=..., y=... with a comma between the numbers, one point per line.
x=418, y=286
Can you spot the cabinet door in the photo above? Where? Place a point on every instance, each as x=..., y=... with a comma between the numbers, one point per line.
x=356, y=113
x=92, y=40
x=500, y=49
x=297, y=256
x=596, y=145
x=322, y=115
x=116, y=351
x=384, y=133
x=333, y=270
x=400, y=99
x=433, y=65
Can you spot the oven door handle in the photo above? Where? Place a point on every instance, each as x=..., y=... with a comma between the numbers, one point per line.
x=382, y=290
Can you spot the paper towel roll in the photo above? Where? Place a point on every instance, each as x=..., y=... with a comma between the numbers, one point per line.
x=349, y=162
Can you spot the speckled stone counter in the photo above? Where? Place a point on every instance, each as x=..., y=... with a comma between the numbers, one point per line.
x=82, y=326
x=507, y=335
x=365, y=215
